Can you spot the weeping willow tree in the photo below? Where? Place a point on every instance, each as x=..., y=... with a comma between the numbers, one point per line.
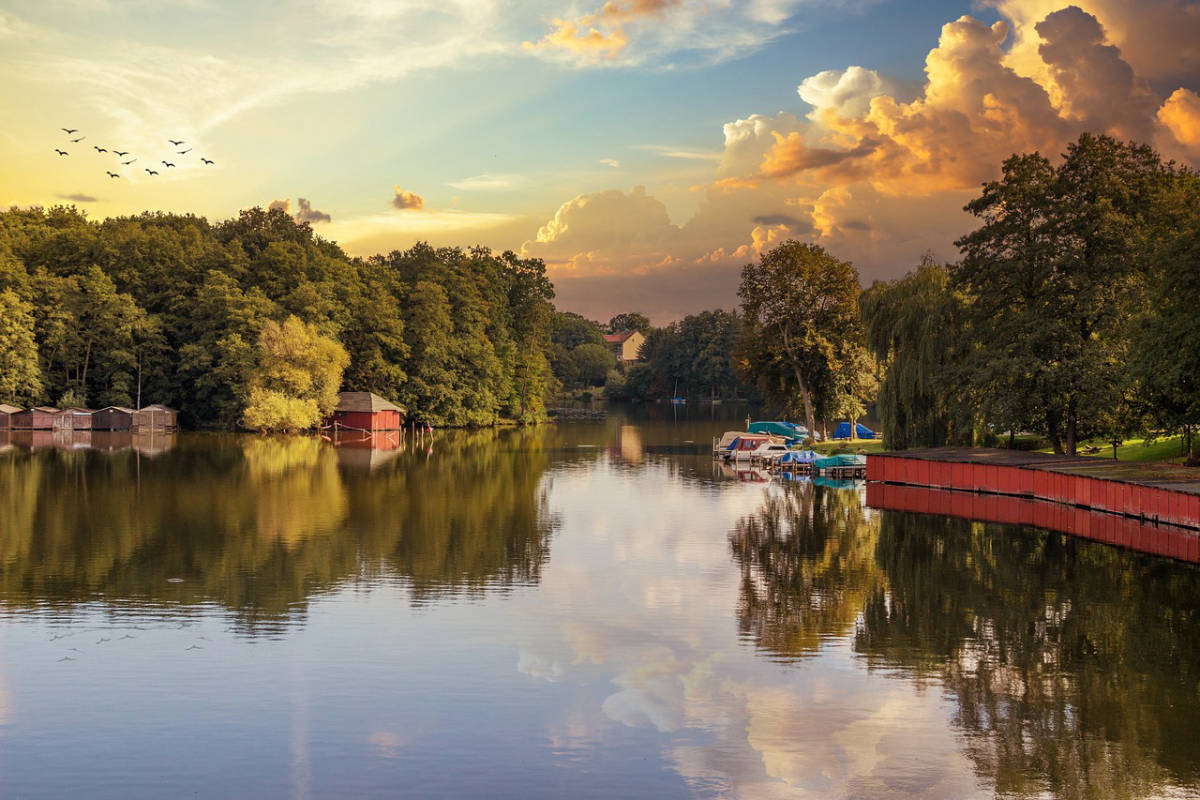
x=910, y=330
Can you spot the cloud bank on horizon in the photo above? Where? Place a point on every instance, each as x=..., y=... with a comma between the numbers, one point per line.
x=874, y=166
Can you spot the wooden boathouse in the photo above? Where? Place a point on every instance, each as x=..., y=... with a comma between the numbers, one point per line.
x=38, y=418
x=365, y=411
x=1157, y=493
x=113, y=418
x=73, y=419
x=6, y=416
x=155, y=417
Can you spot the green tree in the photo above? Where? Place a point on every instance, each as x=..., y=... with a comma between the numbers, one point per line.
x=20, y=374
x=630, y=321
x=912, y=330
x=799, y=310
x=592, y=363
x=1052, y=279
x=295, y=382
x=1166, y=343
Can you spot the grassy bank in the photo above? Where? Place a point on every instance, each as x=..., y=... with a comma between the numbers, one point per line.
x=850, y=446
x=1166, y=449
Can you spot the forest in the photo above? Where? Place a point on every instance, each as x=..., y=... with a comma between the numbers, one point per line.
x=257, y=322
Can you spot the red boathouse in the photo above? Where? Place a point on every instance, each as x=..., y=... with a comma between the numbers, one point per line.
x=365, y=411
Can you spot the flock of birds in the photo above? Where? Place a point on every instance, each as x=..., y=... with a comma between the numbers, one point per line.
x=120, y=154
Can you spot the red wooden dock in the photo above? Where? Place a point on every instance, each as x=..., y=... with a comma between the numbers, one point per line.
x=1154, y=493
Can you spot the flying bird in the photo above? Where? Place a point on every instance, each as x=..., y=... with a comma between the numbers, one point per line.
x=152, y=172
x=168, y=164
x=120, y=153
x=184, y=152
x=112, y=174
x=127, y=163
x=61, y=152
x=206, y=160
x=99, y=149
x=69, y=130
x=172, y=141
x=80, y=139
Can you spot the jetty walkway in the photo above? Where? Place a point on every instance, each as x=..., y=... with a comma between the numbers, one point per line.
x=1155, y=494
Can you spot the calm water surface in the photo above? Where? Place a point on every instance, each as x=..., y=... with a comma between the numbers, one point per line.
x=587, y=610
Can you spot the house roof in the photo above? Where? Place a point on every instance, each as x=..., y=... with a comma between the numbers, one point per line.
x=364, y=401
x=45, y=409
x=76, y=410
x=122, y=409
x=618, y=338
x=156, y=407
x=5, y=408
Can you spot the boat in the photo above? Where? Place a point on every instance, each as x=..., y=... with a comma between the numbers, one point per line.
x=676, y=400
x=739, y=446
x=792, y=432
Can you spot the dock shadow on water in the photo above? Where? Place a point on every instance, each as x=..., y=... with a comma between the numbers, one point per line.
x=591, y=609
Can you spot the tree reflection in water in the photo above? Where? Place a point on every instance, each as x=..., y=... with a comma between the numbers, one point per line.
x=1074, y=667
x=259, y=525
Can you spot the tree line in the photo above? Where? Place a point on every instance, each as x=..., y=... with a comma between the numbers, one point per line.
x=256, y=321
x=1072, y=313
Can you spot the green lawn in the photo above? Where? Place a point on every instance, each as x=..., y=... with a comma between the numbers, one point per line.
x=866, y=445
x=1163, y=449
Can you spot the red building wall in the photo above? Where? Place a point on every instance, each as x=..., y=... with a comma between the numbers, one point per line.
x=369, y=420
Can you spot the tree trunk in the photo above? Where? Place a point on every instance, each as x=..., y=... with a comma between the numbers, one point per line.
x=1052, y=432
x=810, y=420
x=1072, y=428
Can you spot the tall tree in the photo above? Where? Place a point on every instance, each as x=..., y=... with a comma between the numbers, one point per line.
x=20, y=374
x=799, y=308
x=1052, y=279
x=912, y=330
x=1166, y=344
x=295, y=382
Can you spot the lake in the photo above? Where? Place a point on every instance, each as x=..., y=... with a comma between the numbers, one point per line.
x=582, y=610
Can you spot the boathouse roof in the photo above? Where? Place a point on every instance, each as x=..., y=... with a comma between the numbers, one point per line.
x=364, y=401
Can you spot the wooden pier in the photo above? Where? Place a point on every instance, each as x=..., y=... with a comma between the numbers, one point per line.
x=1154, y=493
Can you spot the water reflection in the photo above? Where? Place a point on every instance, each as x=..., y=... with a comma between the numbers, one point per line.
x=591, y=609
x=1073, y=666
x=260, y=524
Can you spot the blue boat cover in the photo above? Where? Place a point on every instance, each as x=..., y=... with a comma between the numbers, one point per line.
x=843, y=460
x=843, y=431
x=788, y=430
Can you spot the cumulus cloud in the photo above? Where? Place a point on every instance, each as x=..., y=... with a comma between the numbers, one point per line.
x=407, y=200
x=847, y=92
x=79, y=197
x=877, y=175
x=284, y=205
x=1180, y=114
x=306, y=213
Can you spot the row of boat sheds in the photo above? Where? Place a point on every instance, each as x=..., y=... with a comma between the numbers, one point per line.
x=358, y=411
x=779, y=445
x=113, y=418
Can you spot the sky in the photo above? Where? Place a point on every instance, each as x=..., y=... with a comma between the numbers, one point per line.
x=644, y=149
